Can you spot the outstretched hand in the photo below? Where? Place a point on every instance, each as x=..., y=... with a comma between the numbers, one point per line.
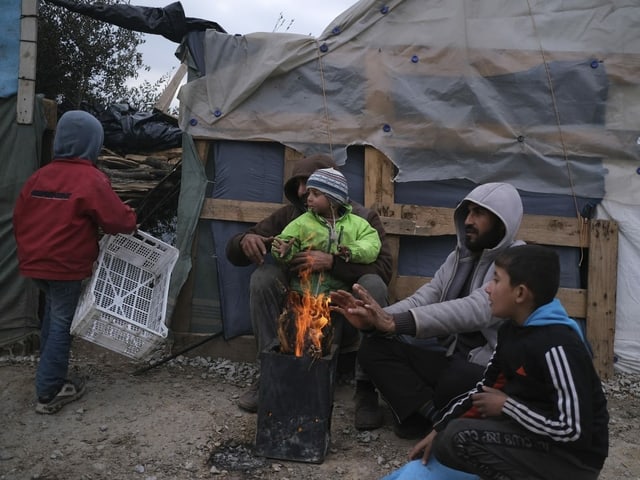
x=361, y=310
x=423, y=447
x=255, y=247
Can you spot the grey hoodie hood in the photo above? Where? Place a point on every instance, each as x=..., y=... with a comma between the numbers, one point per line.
x=501, y=199
x=78, y=135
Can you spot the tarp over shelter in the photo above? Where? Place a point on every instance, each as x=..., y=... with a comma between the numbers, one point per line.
x=20, y=151
x=544, y=94
x=541, y=94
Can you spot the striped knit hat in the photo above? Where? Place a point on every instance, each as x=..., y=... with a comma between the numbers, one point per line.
x=330, y=182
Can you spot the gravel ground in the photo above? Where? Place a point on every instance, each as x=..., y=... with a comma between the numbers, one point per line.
x=180, y=421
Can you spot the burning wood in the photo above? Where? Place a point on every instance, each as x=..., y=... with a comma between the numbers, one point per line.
x=304, y=327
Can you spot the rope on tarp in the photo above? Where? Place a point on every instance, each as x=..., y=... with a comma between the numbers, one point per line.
x=582, y=221
x=324, y=101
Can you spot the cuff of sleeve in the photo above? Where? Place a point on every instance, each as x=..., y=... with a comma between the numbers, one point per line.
x=405, y=324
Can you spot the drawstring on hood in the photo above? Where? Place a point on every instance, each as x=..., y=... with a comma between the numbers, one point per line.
x=78, y=135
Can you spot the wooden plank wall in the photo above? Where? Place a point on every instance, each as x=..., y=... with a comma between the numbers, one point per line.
x=598, y=240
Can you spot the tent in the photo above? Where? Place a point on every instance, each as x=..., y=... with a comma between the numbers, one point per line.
x=542, y=95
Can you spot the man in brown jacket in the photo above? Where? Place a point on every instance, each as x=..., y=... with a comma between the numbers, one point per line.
x=268, y=287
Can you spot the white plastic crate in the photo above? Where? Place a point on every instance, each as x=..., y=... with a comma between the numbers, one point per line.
x=123, y=307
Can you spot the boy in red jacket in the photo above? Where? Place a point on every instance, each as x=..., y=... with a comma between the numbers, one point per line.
x=56, y=221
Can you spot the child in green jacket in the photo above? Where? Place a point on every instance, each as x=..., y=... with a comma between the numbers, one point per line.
x=329, y=226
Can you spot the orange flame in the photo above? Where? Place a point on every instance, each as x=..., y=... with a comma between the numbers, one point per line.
x=311, y=314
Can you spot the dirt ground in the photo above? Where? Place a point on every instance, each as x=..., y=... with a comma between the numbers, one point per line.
x=180, y=421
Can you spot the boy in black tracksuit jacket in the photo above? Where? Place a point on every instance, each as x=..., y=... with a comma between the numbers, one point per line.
x=540, y=411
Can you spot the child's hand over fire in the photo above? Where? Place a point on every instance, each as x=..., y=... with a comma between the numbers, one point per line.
x=282, y=246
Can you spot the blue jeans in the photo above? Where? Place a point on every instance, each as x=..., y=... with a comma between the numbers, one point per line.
x=61, y=299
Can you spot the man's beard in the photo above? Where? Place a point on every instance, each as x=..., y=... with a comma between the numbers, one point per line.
x=487, y=240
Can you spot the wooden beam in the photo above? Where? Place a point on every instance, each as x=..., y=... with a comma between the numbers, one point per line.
x=164, y=101
x=27, y=68
x=236, y=211
x=601, y=301
x=415, y=220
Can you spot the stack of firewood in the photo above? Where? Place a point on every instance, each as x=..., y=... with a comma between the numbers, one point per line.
x=134, y=176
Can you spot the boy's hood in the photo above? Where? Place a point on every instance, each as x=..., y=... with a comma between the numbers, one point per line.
x=78, y=135
x=552, y=313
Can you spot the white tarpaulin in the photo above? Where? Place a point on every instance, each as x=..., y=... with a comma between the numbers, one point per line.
x=542, y=94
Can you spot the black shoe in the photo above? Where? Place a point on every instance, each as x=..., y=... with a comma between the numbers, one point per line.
x=70, y=391
x=412, y=428
x=248, y=401
x=368, y=412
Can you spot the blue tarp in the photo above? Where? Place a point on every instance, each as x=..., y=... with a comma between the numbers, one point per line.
x=9, y=46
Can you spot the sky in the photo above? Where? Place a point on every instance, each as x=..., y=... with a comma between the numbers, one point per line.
x=238, y=16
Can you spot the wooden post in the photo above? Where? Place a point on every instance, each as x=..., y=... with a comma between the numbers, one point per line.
x=378, y=181
x=601, y=291
x=379, y=196
x=291, y=156
x=164, y=102
x=27, y=69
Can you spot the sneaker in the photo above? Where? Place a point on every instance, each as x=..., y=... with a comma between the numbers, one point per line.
x=368, y=412
x=413, y=428
x=70, y=391
x=248, y=401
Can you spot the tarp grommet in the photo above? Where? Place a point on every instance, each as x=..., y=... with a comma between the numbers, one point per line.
x=384, y=10
x=217, y=113
x=324, y=48
x=193, y=122
x=520, y=138
x=386, y=127
x=415, y=59
x=336, y=31
x=638, y=170
x=595, y=64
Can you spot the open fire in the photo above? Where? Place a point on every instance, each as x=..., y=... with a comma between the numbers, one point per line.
x=294, y=415
x=304, y=327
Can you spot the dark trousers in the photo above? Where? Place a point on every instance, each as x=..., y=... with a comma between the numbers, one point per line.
x=499, y=448
x=409, y=376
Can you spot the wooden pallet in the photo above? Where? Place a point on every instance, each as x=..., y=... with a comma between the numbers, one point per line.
x=597, y=239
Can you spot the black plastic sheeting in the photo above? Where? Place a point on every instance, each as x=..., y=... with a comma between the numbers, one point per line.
x=168, y=21
x=127, y=130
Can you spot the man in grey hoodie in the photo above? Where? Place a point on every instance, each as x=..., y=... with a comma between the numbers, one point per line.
x=418, y=378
